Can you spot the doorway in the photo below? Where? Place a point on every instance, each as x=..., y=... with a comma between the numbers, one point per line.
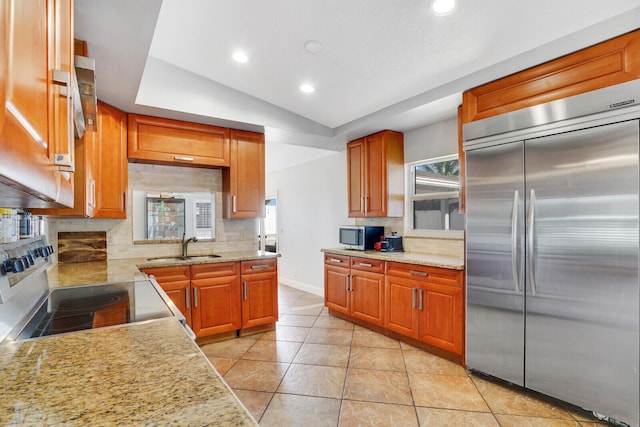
x=269, y=225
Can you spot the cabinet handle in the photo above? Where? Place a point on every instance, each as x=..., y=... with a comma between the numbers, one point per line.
x=366, y=204
x=350, y=283
x=413, y=297
x=244, y=290
x=235, y=204
x=418, y=273
x=186, y=293
x=183, y=158
x=346, y=283
x=362, y=204
x=365, y=264
x=195, y=297
x=256, y=267
x=335, y=260
x=420, y=300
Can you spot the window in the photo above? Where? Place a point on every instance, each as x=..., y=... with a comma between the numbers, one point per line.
x=434, y=194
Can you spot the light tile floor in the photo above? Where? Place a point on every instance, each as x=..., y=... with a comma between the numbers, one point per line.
x=318, y=370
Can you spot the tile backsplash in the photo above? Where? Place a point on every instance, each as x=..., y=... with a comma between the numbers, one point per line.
x=231, y=234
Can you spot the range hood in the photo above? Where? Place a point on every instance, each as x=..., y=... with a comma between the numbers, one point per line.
x=85, y=112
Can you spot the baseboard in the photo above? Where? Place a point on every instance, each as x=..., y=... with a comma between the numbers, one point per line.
x=301, y=286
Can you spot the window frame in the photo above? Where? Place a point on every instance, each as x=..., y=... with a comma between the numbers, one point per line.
x=410, y=197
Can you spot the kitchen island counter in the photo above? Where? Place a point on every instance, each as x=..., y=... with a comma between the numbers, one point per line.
x=143, y=373
x=442, y=261
x=124, y=270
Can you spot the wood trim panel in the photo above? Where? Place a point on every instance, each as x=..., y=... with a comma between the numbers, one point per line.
x=605, y=64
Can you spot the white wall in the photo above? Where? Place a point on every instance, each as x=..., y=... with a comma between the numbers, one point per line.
x=312, y=204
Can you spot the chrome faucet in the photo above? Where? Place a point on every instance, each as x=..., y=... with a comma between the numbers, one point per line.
x=185, y=243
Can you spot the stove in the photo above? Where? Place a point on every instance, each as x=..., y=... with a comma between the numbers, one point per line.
x=29, y=309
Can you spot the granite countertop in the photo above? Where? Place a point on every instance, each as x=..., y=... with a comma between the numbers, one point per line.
x=104, y=377
x=124, y=270
x=442, y=261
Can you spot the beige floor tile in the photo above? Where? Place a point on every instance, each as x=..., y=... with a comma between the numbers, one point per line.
x=523, y=421
x=323, y=355
x=378, y=386
x=297, y=320
x=503, y=399
x=273, y=351
x=363, y=337
x=376, y=414
x=309, y=299
x=231, y=349
x=325, y=312
x=287, y=333
x=431, y=417
x=387, y=359
x=408, y=347
x=329, y=336
x=330, y=322
x=306, y=310
x=222, y=364
x=320, y=381
x=447, y=392
x=426, y=363
x=255, y=401
x=293, y=410
x=256, y=375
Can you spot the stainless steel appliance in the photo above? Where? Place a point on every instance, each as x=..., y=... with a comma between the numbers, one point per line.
x=392, y=243
x=360, y=237
x=29, y=309
x=552, y=249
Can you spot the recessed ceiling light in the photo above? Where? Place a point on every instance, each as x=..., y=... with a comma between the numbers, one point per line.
x=313, y=46
x=240, y=57
x=443, y=7
x=306, y=88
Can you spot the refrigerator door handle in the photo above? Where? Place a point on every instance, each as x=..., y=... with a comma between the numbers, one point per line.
x=530, y=242
x=514, y=241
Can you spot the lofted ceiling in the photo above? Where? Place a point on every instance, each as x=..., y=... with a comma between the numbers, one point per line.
x=383, y=64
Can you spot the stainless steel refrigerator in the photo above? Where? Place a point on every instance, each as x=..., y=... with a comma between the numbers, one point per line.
x=552, y=249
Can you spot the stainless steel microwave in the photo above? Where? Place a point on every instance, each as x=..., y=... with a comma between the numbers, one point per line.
x=360, y=237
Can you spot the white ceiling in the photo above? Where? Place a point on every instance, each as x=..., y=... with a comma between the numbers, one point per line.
x=384, y=63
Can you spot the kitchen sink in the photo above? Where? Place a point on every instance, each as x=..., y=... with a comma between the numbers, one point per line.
x=184, y=258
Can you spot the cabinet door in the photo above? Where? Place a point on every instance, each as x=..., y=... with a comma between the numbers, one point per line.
x=174, y=142
x=401, y=309
x=243, y=181
x=108, y=183
x=356, y=177
x=259, y=299
x=376, y=176
x=336, y=288
x=367, y=296
x=441, y=320
x=27, y=152
x=216, y=298
x=175, y=282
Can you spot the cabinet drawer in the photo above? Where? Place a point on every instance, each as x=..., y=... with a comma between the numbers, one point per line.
x=169, y=274
x=366, y=264
x=205, y=271
x=173, y=142
x=259, y=266
x=443, y=276
x=337, y=260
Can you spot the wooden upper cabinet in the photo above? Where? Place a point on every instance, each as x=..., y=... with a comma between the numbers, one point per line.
x=34, y=112
x=173, y=142
x=243, y=183
x=101, y=175
x=605, y=64
x=109, y=173
x=375, y=175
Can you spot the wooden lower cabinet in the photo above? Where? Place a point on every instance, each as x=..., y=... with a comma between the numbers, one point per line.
x=427, y=304
x=176, y=283
x=356, y=291
x=212, y=299
x=216, y=306
x=259, y=292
